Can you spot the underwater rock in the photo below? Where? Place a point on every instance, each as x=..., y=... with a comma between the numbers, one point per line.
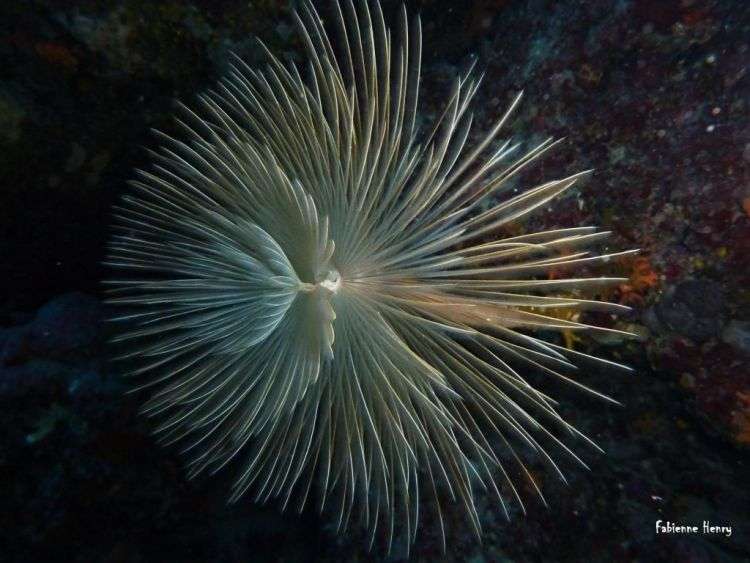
x=694, y=308
x=12, y=342
x=12, y=115
x=37, y=377
x=66, y=323
x=737, y=335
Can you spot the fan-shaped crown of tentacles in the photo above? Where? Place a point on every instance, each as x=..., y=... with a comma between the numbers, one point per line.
x=319, y=293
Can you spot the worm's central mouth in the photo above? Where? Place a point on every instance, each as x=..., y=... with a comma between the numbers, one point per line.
x=331, y=281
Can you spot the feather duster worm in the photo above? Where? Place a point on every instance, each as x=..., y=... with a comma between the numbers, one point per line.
x=315, y=290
